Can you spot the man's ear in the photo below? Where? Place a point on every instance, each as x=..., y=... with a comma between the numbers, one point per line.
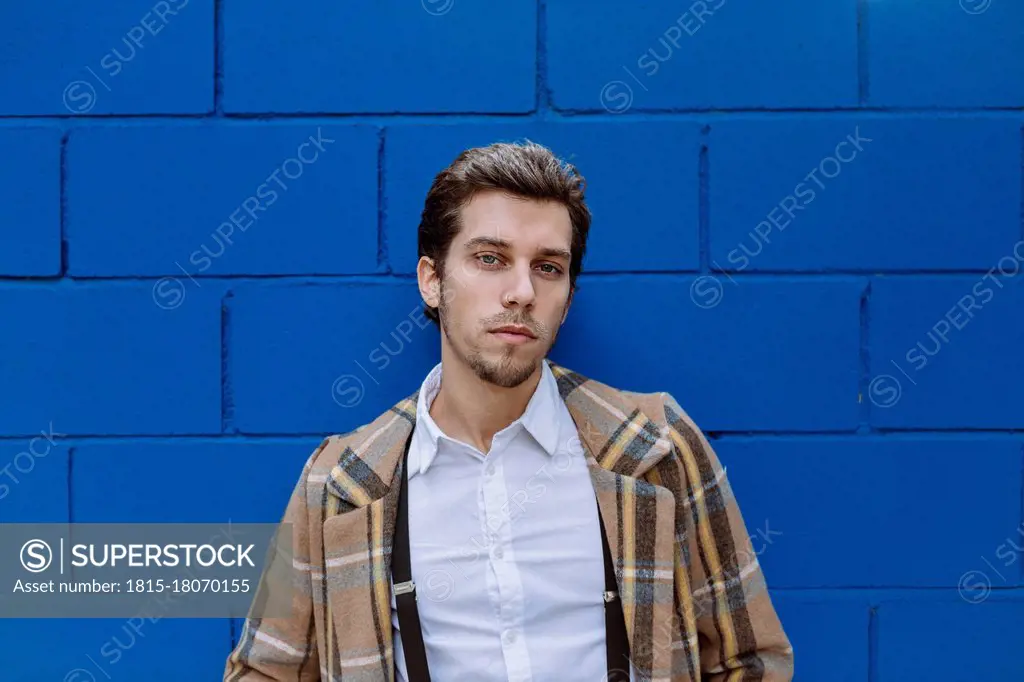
x=430, y=286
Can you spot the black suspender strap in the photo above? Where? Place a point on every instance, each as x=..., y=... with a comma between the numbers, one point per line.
x=405, y=589
x=616, y=638
x=408, y=616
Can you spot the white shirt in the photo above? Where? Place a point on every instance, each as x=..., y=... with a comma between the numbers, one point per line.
x=505, y=549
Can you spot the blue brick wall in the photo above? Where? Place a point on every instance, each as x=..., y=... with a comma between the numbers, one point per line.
x=207, y=242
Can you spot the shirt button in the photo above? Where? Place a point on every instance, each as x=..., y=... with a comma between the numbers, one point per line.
x=489, y=469
x=510, y=636
x=498, y=553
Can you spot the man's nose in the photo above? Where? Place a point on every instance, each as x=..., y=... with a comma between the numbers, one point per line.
x=520, y=289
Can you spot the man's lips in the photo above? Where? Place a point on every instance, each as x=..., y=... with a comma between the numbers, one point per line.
x=512, y=335
x=522, y=331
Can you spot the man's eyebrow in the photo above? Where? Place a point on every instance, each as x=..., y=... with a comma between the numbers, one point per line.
x=487, y=241
x=556, y=253
x=548, y=251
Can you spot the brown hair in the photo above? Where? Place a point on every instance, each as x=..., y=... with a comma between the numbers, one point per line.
x=527, y=170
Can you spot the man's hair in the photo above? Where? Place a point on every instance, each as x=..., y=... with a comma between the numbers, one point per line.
x=528, y=170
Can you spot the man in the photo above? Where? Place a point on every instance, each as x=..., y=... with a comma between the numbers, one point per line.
x=553, y=525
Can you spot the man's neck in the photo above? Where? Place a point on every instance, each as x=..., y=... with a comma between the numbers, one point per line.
x=472, y=410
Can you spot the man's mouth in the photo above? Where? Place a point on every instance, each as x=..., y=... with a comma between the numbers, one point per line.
x=514, y=334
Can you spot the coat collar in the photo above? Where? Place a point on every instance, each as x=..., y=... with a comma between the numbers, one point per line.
x=616, y=434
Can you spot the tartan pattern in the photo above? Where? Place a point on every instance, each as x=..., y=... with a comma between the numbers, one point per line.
x=693, y=594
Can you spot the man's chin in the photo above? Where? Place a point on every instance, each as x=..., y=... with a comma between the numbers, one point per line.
x=506, y=370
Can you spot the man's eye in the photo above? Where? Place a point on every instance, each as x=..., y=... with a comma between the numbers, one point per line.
x=489, y=255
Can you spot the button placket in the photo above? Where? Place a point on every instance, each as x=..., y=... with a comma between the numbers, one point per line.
x=509, y=588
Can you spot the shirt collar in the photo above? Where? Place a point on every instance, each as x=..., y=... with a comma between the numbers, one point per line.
x=539, y=419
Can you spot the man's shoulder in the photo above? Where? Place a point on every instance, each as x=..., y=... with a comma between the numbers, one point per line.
x=639, y=431
x=595, y=396
x=333, y=446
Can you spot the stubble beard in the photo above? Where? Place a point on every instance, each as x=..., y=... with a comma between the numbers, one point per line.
x=506, y=372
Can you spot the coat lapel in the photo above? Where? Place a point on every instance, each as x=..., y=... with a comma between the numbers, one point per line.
x=638, y=519
x=358, y=547
x=620, y=443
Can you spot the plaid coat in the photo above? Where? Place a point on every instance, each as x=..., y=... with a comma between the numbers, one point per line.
x=693, y=594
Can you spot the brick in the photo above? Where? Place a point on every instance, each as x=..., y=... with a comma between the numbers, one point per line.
x=430, y=56
x=110, y=649
x=799, y=339
x=874, y=511
x=799, y=194
x=633, y=172
x=34, y=478
x=966, y=54
x=140, y=57
x=656, y=56
x=945, y=351
x=341, y=354
x=106, y=359
x=825, y=627
x=223, y=199
x=241, y=481
x=30, y=201
x=975, y=640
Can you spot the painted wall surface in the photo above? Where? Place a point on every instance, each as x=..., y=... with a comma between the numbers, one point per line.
x=807, y=228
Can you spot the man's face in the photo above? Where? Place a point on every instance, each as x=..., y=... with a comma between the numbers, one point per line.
x=509, y=265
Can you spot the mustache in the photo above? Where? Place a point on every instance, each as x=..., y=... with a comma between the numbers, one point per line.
x=538, y=329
